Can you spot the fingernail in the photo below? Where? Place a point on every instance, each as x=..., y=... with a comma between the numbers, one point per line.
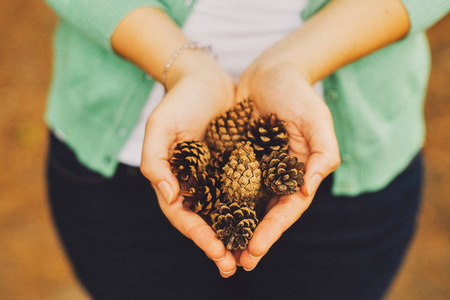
x=314, y=184
x=248, y=270
x=255, y=257
x=166, y=191
x=222, y=273
x=218, y=259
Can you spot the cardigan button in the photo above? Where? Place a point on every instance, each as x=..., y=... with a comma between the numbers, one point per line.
x=347, y=186
x=345, y=158
x=59, y=134
x=331, y=95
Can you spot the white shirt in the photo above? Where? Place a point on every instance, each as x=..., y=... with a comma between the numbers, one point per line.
x=238, y=31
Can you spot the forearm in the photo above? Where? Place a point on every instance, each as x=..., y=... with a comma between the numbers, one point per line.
x=98, y=19
x=342, y=32
x=148, y=38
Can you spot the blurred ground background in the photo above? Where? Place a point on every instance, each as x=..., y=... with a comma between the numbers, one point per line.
x=32, y=264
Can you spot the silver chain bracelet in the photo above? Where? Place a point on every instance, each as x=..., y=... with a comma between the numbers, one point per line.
x=191, y=46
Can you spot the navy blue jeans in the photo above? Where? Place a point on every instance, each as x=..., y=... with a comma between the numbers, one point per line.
x=122, y=247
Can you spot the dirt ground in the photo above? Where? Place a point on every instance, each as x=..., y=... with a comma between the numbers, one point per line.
x=32, y=264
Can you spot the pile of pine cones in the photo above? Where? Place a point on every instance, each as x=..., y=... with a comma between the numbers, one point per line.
x=230, y=179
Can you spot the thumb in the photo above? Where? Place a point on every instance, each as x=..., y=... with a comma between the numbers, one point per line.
x=324, y=149
x=317, y=168
x=155, y=161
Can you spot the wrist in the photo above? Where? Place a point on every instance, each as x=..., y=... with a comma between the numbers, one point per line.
x=186, y=60
x=280, y=56
x=190, y=63
x=200, y=73
x=280, y=68
x=332, y=38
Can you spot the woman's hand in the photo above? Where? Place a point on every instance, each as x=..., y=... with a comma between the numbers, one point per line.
x=282, y=89
x=280, y=81
x=198, y=91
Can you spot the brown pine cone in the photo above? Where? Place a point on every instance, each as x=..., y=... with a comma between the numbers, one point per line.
x=229, y=128
x=201, y=193
x=234, y=225
x=241, y=179
x=189, y=158
x=282, y=173
x=267, y=134
x=218, y=161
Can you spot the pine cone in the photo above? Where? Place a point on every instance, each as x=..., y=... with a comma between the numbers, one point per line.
x=234, y=225
x=189, y=158
x=282, y=173
x=229, y=128
x=241, y=179
x=218, y=161
x=267, y=134
x=201, y=193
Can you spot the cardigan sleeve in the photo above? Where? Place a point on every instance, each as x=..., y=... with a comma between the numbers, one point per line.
x=424, y=14
x=97, y=19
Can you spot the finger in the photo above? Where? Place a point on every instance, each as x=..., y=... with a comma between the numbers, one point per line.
x=324, y=157
x=271, y=203
x=249, y=261
x=155, y=159
x=193, y=227
x=278, y=219
x=227, y=266
x=237, y=254
x=318, y=166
